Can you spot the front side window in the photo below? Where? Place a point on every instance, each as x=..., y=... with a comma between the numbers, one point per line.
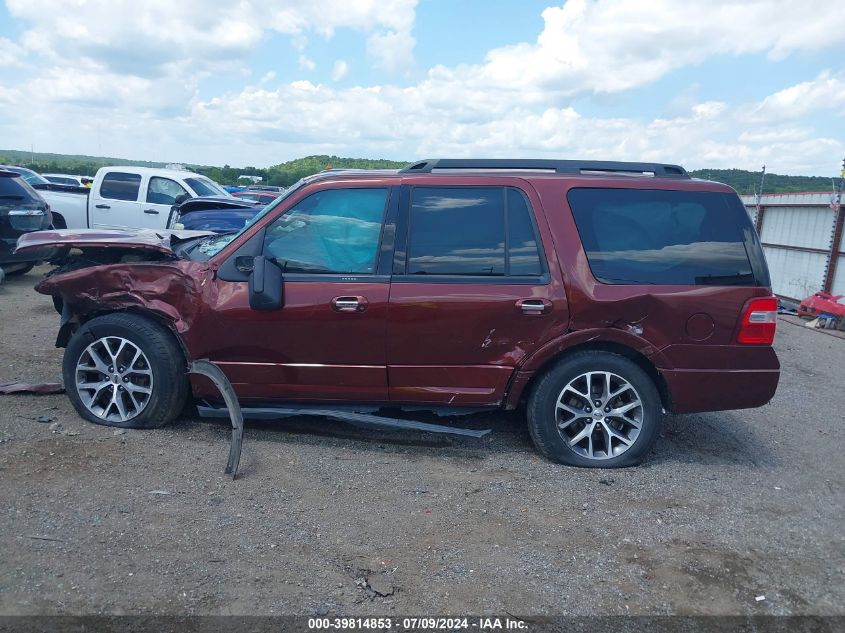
x=484, y=231
x=642, y=236
x=118, y=185
x=331, y=231
x=165, y=191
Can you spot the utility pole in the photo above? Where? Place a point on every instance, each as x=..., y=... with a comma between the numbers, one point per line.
x=838, y=229
x=758, y=223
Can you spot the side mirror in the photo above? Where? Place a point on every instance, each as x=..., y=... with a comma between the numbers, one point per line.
x=265, y=285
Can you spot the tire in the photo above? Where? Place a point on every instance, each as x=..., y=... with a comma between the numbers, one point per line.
x=568, y=429
x=145, y=387
x=59, y=222
x=20, y=271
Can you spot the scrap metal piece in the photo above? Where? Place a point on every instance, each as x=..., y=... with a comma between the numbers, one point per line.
x=210, y=370
x=357, y=419
x=42, y=389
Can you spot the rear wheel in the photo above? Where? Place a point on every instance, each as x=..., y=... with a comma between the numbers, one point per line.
x=595, y=409
x=125, y=370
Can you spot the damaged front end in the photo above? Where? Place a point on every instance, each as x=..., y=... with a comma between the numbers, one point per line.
x=106, y=271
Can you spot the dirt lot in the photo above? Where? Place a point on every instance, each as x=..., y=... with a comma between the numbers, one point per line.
x=330, y=519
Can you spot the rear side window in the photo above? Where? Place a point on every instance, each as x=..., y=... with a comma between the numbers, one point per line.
x=639, y=236
x=118, y=185
x=472, y=231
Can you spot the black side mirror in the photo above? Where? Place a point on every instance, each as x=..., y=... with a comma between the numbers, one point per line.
x=265, y=285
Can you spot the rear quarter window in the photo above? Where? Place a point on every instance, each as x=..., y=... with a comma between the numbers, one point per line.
x=13, y=189
x=643, y=236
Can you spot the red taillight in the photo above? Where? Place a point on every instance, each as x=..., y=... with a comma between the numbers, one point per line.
x=759, y=321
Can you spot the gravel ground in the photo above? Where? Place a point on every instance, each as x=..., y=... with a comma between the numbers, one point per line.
x=326, y=518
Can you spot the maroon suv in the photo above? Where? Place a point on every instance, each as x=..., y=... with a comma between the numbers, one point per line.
x=595, y=294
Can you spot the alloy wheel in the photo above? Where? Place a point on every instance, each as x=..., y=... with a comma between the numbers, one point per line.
x=599, y=415
x=114, y=379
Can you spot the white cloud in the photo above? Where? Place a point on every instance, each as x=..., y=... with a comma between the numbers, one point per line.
x=824, y=92
x=204, y=34
x=137, y=75
x=391, y=50
x=10, y=53
x=340, y=70
x=610, y=46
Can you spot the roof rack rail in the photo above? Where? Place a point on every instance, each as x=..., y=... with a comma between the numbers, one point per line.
x=658, y=170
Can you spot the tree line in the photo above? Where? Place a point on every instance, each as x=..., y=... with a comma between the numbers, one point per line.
x=287, y=173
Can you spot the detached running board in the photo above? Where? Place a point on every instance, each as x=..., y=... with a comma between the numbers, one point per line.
x=236, y=414
x=363, y=420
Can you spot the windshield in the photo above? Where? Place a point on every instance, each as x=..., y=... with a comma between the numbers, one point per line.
x=206, y=187
x=212, y=245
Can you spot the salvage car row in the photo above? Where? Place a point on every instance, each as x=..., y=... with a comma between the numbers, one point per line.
x=143, y=197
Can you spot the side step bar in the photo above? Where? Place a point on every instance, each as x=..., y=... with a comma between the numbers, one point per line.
x=236, y=414
x=362, y=420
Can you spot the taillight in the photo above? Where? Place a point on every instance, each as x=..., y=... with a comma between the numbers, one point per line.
x=759, y=322
x=49, y=223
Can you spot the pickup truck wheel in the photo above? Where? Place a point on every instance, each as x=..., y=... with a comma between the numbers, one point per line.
x=127, y=371
x=595, y=409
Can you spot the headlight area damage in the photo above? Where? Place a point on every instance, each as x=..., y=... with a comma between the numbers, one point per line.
x=108, y=271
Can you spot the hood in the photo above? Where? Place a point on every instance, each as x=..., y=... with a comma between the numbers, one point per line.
x=162, y=240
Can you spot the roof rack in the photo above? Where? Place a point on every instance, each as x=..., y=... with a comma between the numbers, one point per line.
x=657, y=170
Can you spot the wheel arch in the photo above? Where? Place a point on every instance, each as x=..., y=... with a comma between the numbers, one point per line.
x=518, y=395
x=59, y=221
x=139, y=311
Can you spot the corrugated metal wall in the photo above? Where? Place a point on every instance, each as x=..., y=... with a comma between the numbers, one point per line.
x=795, y=274
x=797, y=232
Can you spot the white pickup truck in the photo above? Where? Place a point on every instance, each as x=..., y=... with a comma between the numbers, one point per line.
x=126, y=197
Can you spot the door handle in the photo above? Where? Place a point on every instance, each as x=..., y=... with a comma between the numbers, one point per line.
x=103, y=206
x=534, y=306
x=151, y=211
x=349, y=304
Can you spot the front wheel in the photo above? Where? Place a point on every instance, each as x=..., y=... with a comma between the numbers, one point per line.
x=595, y=409
x=125, y=370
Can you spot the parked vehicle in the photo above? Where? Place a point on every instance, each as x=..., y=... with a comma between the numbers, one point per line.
x=270, y=188
x=221, y=215
x=68, y=179
x=22, y=210
x=122, y=197
x=594, y=294
x=264, y=197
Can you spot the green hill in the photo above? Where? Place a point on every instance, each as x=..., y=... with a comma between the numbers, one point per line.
x=289, y=172
x=746, y=182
